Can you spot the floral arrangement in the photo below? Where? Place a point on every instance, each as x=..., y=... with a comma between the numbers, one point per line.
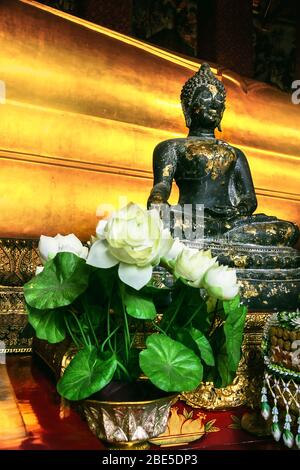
x=104, y=295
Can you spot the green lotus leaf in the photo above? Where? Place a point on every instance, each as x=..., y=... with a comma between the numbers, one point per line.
x=169, y=365
x=203, y=346
x=231, y=305
x=87, y=373
x=226, y=374
x=233, y=330
x=48, y=324
x=63, y=279
x=139, y=306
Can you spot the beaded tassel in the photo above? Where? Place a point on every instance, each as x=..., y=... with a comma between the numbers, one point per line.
x=297, y=439
x=265, y=407
x=288, y=437
x=276, y=432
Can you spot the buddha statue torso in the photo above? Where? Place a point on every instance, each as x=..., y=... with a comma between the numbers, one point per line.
x=203, y=168
x=205, y=172
x=212, y=173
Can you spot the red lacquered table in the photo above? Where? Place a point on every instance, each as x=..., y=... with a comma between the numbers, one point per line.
x=50, y=425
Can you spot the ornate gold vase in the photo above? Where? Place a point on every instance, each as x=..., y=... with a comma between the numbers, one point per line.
x=115, y=416
x=128, y=425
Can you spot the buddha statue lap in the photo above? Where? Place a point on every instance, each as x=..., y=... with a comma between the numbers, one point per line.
x=213, y=175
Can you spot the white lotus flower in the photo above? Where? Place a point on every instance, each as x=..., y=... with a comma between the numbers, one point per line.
x=221, y=282
x=50, y=246
x=192, y=265
x=136, y=239
x=175, y=251
x=100, y=229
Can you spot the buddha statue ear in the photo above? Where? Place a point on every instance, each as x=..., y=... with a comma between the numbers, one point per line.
x=186, y=115
x=188, y=120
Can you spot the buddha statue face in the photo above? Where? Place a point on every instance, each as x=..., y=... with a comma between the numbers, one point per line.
x=203, y=99
x=207, y=107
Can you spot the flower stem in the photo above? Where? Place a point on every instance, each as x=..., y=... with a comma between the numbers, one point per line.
x=92, y=329
x=107, y=340
x=126, y=327
x=71, y=333
x=180, y=301
x=159, y=329
x=123, y=369
x=132, y=340
x=214, y=323
x=109, y=335
x=86, y=342
x=164, y=264
x=193, y=316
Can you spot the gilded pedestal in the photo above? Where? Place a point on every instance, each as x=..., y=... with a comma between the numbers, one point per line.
x=18, y=260
x=245, y=389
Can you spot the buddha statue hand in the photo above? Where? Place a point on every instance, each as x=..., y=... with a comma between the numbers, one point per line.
x=159, y=195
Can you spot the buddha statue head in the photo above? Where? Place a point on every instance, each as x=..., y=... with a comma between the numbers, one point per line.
x=203, y=100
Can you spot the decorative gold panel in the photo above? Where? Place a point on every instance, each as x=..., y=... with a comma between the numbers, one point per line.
x=18, y=260
x=13, y=319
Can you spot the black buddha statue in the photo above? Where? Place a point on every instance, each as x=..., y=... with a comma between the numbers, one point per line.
x=211, y=172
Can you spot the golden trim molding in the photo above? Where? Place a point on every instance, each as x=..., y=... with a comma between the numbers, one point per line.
x=114, y=34
x=108, y=168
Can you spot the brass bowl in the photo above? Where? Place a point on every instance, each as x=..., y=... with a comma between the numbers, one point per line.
x=128, y=425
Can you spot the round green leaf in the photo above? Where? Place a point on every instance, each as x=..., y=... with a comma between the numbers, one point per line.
x=86, y=374
x=203, y=345
x=231, y=305
x=63, y=279
x=48, y=324
x=169, y=365
x=234, y=330
x=139, y=306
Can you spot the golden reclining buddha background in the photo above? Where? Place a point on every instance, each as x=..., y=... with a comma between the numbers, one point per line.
x=84, y=109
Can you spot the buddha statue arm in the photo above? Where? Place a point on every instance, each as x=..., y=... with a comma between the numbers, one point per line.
x=246, y=198
x=164, y=167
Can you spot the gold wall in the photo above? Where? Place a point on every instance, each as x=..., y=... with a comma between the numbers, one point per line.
x=85, y=107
